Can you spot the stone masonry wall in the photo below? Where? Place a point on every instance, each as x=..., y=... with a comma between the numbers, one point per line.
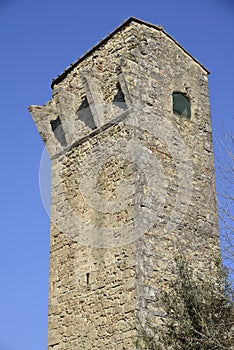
x=159, y=68
x=92, y=290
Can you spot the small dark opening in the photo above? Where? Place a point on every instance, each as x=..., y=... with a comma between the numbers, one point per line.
x=119, y=99
x=85, y=114
x=58, y=131
x=87, y=278
x=181, y=105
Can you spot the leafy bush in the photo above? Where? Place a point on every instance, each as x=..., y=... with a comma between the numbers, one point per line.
x=199, y=313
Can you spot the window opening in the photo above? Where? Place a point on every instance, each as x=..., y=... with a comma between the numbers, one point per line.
x=181, y=105
x=58, y=131
x=119, y=99
x=85, y=115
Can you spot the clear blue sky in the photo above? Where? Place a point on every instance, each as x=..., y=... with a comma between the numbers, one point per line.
x=38, y=40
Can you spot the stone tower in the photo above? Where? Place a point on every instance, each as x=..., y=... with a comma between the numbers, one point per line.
x=129, y=135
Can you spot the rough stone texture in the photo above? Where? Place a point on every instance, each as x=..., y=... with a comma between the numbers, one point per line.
x=101, y=286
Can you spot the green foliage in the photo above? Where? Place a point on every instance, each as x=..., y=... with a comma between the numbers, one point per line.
x=199, y=313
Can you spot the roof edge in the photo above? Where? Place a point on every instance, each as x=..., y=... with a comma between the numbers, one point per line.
x=61, y=76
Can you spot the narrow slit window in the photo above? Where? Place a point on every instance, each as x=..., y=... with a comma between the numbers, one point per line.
x=87, y=278
x=181, y=105
x=58, y=131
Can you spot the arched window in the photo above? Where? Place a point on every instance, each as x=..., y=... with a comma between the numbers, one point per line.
x=181, y=105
